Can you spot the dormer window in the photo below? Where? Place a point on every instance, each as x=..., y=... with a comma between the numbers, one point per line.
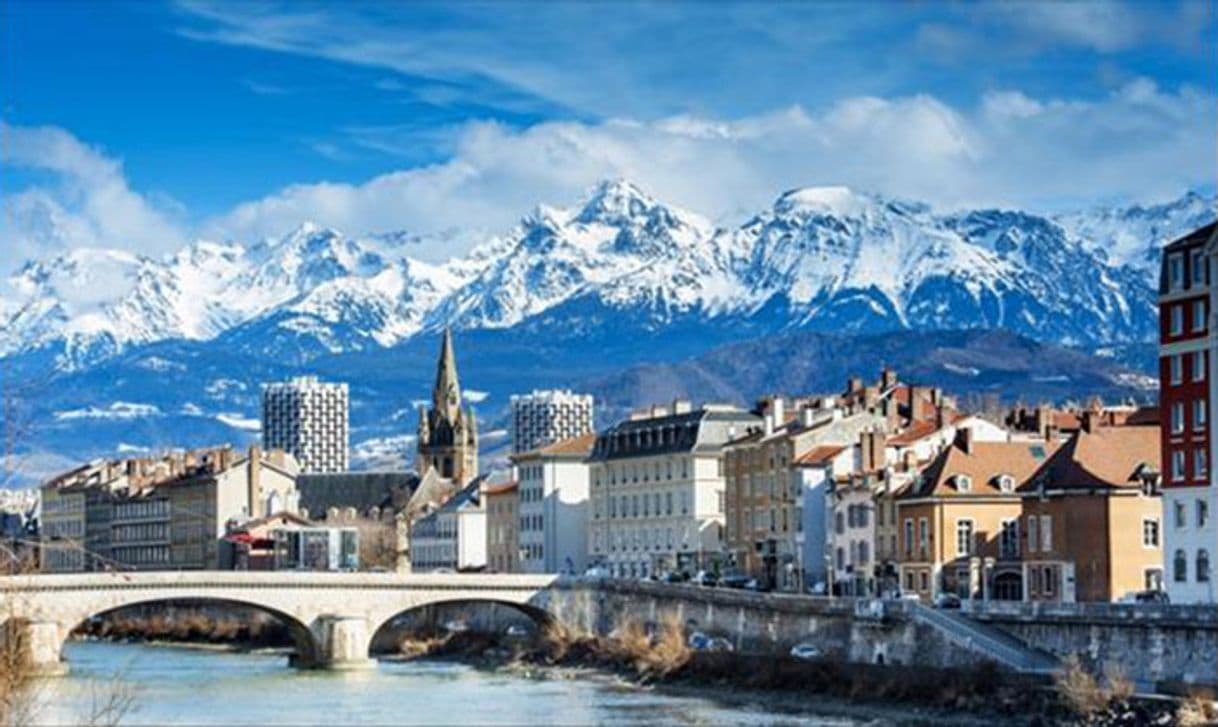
x=1006, y=483
x=964, y=483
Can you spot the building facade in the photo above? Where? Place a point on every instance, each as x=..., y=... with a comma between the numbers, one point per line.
x=545, y=417
x=447, y=433
x=307, y=418
x=502, y=526
x=658, y=490
x=553, y=501
x=1187, y=391
x=452, y=537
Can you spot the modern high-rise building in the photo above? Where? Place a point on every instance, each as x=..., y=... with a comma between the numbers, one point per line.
x=542, y=418
x=307, y=418
x=1186, y=394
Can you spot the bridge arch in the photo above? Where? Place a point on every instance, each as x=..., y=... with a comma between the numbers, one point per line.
x=484, y=614
x=303, y=639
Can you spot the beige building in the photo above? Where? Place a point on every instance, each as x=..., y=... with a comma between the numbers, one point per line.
x=658, y=490
x=161, y=513
x=502, y=526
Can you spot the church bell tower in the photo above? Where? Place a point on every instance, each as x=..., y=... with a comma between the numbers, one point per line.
x=447, y=434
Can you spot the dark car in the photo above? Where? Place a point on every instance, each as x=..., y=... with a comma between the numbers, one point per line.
x=947, y=600
x=1153, y=596
x=735, y=581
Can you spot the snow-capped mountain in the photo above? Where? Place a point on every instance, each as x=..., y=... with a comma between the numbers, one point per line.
x=1133, y=235
x=828, y=259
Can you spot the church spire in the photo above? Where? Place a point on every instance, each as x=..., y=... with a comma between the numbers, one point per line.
x=446, y=396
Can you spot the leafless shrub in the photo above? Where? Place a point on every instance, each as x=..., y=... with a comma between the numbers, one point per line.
x=1196, y=711
x=110, y=701
x=1086, y=695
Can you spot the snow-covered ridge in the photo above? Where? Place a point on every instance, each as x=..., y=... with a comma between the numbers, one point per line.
x=826, y=257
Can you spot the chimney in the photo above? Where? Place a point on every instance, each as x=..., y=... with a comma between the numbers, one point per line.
x=658, y=411
x=776, y=408
x=940, y=417
x=964, y=438
x=681, y=406
x=255, y=481
x=807, y=416
x=853, y=385
x=1090, y=421
x=888, y=378
x=768, y=419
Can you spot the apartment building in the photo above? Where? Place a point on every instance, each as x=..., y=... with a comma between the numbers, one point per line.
x=553, y=501
x=1187, y=392
x=542, y=418
x=502, y=526
x=307, y=418
x=160, y=513
x=959, y=520
x=658, y=489
x=1092, y=517
x=775, y=489
x=453, y=536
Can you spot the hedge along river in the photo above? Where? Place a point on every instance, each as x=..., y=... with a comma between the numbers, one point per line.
x=191, y=686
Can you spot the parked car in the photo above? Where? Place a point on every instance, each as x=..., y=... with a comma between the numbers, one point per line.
x=698, y=641
x=516, y=631
x=672, y=577
x=718, y=643
x=735, y=581
x=705, y=578
x=456, y=626
x=756, y=586
x=1151, y=596
x=947, y=600
x=596, y=571
x=806, y=652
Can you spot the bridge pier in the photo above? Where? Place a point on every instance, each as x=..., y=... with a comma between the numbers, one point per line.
x=43, y=645
x=340, y=643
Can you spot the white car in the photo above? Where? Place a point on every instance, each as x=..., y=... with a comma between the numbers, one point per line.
x=806, y=652
x=596, y=572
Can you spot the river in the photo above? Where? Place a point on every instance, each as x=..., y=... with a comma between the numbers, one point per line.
x=191, y=686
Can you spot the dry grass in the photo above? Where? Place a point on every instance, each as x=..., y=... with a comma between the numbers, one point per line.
x=1196, y=711
x=1088, y=696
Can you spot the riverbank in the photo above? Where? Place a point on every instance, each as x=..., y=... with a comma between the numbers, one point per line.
x=785, y=685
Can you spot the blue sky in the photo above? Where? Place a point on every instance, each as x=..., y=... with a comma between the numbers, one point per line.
x=143, y=124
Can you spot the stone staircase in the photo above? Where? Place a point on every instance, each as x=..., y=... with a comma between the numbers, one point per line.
x=985, y=639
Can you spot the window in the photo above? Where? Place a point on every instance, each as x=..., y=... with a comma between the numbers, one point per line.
x=964, y=483
x=1006, y=483
x=1177, y=417
x=1177, y=320
x=1150, y=532
x=1198, y=267
x=1176, y=366
x=1203, y=513
x=924, y=581
x=1200, y=468
x=1199, y=366
x=1181, y=515
x=1199, y=415
x=840, y=525
x=1180, y=567
x=909, y=581
x=909, y=536
x=864, y=552
x=1046, y=533
x=862, y=516
x=923, y=536
x=841, y=559
x=964, y=537
x=1009, y=543
x=1177, y=465
x=1175, y=272
x=1203, y=566
x=1198, y=315
x=1033, y=534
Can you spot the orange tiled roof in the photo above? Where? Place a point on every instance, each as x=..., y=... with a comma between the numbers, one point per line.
x=501, y=488
x=983, y=464
x=575, y=445
x=915, y=431
x=1105, y=458
x=819, y=455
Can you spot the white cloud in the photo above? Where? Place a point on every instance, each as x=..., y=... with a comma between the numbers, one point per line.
x=1139, y=142
x=88, y=201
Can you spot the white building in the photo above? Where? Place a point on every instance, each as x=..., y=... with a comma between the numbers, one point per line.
x=546, y=417
x=452, y=537
x=813, y=475
x=658, y=490
x=307, y=419
x=553, y=506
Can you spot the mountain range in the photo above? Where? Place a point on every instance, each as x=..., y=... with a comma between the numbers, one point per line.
x=130, y=346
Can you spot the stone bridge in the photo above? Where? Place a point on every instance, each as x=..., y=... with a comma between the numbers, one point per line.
x=332, y=617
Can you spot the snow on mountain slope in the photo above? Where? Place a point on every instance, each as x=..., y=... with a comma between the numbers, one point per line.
x=1133, y=235
x=825, y=258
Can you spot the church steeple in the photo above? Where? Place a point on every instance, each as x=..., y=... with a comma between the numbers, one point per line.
x=447, y=441
x=446, y=395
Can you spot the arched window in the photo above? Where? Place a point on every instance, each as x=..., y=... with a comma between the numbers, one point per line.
x=1180, y=567
x=964, y=483
x=1006, y=483
x=1203, y=566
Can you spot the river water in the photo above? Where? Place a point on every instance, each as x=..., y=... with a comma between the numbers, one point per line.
x=190, y=686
